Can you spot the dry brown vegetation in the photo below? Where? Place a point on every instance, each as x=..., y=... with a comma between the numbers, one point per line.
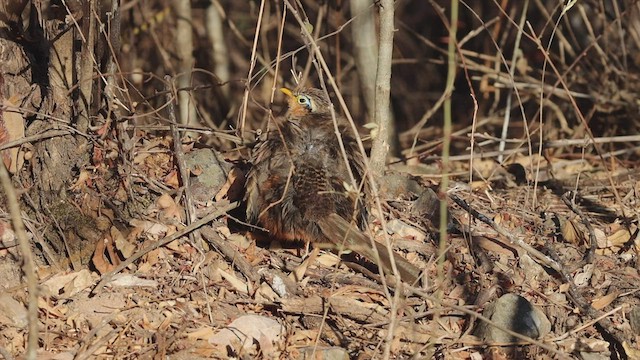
x=125, y=130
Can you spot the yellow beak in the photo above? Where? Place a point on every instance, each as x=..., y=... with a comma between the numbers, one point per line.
x=287, y=92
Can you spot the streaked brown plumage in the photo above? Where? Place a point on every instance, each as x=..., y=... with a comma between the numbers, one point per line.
x=296, y=185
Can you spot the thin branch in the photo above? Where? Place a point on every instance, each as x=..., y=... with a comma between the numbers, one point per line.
x=162, y=242
x=28, y=265
x=593, y=242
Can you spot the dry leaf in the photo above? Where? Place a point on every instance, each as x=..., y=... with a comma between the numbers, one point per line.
x=522, y=64
x=81, y=182
x=631, y=352
x=266, y=293
x=156, y=230
x=563, y=288
x=238, y=240
x=101, y=264
x=405, y=230
x=373, y=129
x=485, y=167
x=249, y=328
x=494, y=246
x=328, y=259
x=236, y=283
x=601, y=238
x=202, y=333
x=165, y=201
x=582, y=278
x=231, y=179
x=125, y=247
x=154, y=256
x=172, y=179
x=170, y=209
x=299, y=272
x=196, y=170
x=618, y=238
x=571, y=233
x=67, y=284
x=58, y=311
x=126, y=280
x=604, y=301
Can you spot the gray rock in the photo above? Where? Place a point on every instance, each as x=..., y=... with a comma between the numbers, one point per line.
x=12, y=312
x=515, y=313
x=212, y=169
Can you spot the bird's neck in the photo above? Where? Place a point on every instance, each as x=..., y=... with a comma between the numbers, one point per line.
x=313, y=120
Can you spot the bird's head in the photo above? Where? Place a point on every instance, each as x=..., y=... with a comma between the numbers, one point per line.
x=307, y=101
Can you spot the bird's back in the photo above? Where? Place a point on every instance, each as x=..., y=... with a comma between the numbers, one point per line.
x=302, y=180
x=321, y=174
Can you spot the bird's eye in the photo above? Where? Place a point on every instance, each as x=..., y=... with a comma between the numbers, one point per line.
x=303, y=100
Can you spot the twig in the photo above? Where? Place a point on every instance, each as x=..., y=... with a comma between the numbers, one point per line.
x=507, y=113
x=196, y=225
x=230, y=253
x=566, y=142
x=252, y=64
x=553, y=262
x=586, y=308
x=89, y=353
x=316, y=33
x=593, y=243
x=181, y=164
x=283, y=14
x=28, y=266
x=514, y=241
x=579, y=114
x=492, y=154
x=483, y=318
x=29, y=139
x=446, y=143
x=85, y=341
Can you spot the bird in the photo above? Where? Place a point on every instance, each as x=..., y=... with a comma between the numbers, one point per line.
x=298, y=187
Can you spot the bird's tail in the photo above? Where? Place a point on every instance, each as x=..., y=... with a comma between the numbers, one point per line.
x=342, y=233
